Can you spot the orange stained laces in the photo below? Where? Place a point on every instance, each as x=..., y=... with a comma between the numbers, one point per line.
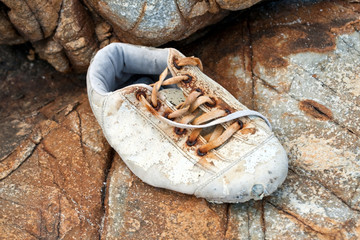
x=186, y=111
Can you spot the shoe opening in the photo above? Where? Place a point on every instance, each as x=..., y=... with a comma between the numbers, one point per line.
x=118, y=65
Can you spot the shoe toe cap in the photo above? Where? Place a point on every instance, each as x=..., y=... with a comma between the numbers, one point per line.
x=256, y=175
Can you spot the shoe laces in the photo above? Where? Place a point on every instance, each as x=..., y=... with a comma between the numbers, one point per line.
x=188, y=114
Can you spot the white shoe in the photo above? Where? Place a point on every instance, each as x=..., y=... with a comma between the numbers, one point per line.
x=211, y=145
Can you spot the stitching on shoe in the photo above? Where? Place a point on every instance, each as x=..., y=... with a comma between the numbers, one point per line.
x=218, y=174
x=194, y=71
x=184, y=107
x=237, y=135
x=195, y=162
x=216, y=153
x=103, y=117
x=159, y=129
x=214, y=174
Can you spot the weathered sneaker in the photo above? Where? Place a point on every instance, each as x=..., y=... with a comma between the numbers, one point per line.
x=178, y=129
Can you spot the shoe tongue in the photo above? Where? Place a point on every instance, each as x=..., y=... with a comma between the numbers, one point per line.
x=173, y=95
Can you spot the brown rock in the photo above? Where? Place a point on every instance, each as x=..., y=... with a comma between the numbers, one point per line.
x=8, y=34
x=51, y=185
x=39, y=20
x=236, y=4
x=135, y=210
x=26, y=86
x=51, y=181
x=75, y=32
x=34, y=19
x=103, y=31
x=54, y=53
x=104, y=34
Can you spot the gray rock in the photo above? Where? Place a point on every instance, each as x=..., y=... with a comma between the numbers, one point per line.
x=156, y=22
x=236, y=4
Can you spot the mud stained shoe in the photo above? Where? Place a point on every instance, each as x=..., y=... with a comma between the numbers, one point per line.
x=176, y=128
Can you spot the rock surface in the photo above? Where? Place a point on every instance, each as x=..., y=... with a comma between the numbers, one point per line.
x=8, y=34
x=53, y=157
x=34, y=19
x=302, y=72
x=135, y=209
x=295, y=62
x=63, y=31
x=157, y=22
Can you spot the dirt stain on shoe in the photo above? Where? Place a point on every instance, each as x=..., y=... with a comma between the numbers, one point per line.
x=248, y=131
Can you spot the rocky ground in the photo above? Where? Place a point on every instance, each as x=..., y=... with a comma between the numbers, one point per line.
x=297, y=62
x=66, y=33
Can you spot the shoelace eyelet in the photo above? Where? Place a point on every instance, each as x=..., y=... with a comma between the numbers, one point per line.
x=166, y=115
x=190, y=78
x=200, y=91
x=191, y=143
x=180, y=110
x=140, y=93
x=180, y=131
x=200, y=153
x=176, y=65
x=158, y=105
x=240, y=123
x=211, y=105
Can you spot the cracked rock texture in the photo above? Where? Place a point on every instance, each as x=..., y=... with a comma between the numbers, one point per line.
x=53, y=157
x=297, y=62
x=299, y=65
x=67, y=33
x=156, y=22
